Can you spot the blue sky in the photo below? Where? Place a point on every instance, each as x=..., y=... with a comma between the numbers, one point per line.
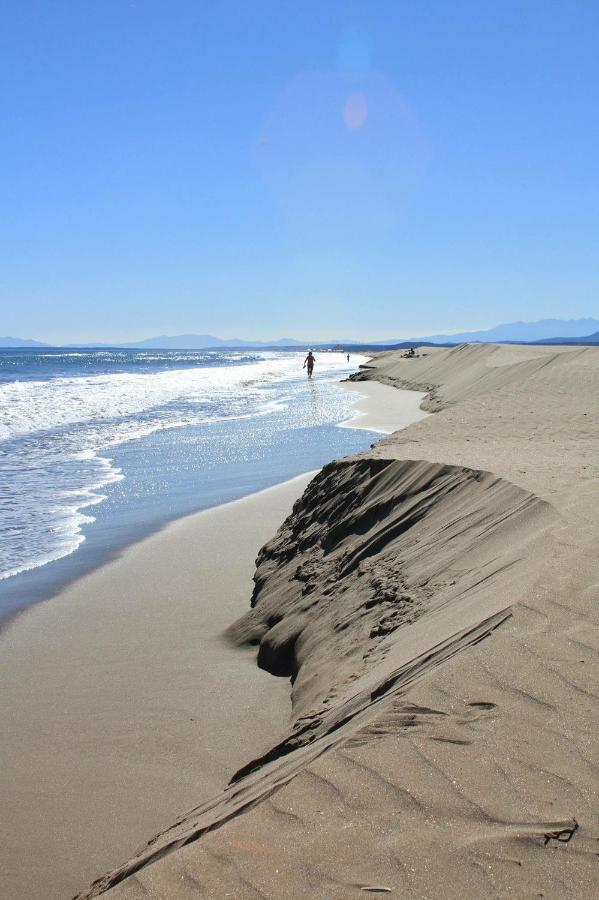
x=307, y=169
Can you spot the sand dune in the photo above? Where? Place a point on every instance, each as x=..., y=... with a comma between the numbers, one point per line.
x=435, y=602
x=470, y=370
x=375, y=546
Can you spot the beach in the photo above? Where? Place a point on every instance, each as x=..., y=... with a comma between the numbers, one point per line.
x=299, y=451
x=434, y=602
x=125, y=705
x=123, y=701
x=375, y=409
x=102, y=448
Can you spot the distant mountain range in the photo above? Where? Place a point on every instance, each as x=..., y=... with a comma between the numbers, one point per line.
x=553, y=331
x=203, y=342
x=20, y=342
x=163, y=342
x=520, y=331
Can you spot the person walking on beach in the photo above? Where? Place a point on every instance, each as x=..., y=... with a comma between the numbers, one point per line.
x=309, y=363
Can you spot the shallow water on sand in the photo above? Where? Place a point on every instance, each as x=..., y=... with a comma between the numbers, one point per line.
x=99, y=449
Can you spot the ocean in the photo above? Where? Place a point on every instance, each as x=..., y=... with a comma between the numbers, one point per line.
x=100, y=447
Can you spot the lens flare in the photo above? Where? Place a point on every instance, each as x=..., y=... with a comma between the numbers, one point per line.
x=355, y=111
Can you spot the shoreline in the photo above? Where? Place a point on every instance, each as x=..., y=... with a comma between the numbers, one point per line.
x=118, y=527
x=118, y=552
x=134, y=641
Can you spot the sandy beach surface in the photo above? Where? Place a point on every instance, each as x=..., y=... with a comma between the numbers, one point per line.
x=435, y=603
x=121, y=704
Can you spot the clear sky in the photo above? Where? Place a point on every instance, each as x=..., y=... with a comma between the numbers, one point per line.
x=296, y=169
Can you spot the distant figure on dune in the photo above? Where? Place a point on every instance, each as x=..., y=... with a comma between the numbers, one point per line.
x=348, y=357
x=309, y=363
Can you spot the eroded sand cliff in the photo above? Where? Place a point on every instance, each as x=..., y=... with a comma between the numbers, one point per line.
x=434, y=602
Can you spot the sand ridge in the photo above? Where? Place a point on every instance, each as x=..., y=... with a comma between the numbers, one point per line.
x=374, y=546
x=462, y=759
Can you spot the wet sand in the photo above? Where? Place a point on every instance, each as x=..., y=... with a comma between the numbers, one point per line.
x=379, y=409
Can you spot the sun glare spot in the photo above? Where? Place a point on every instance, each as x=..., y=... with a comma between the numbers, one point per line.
x=355, y=111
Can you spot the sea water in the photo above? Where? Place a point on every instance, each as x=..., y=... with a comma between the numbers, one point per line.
x=100, y=447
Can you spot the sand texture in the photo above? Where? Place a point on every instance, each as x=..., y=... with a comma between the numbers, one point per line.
x=435, y=603
x=120, y=701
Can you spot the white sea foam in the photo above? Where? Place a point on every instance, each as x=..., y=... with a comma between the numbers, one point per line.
x=53, y=433
x=31, y=406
